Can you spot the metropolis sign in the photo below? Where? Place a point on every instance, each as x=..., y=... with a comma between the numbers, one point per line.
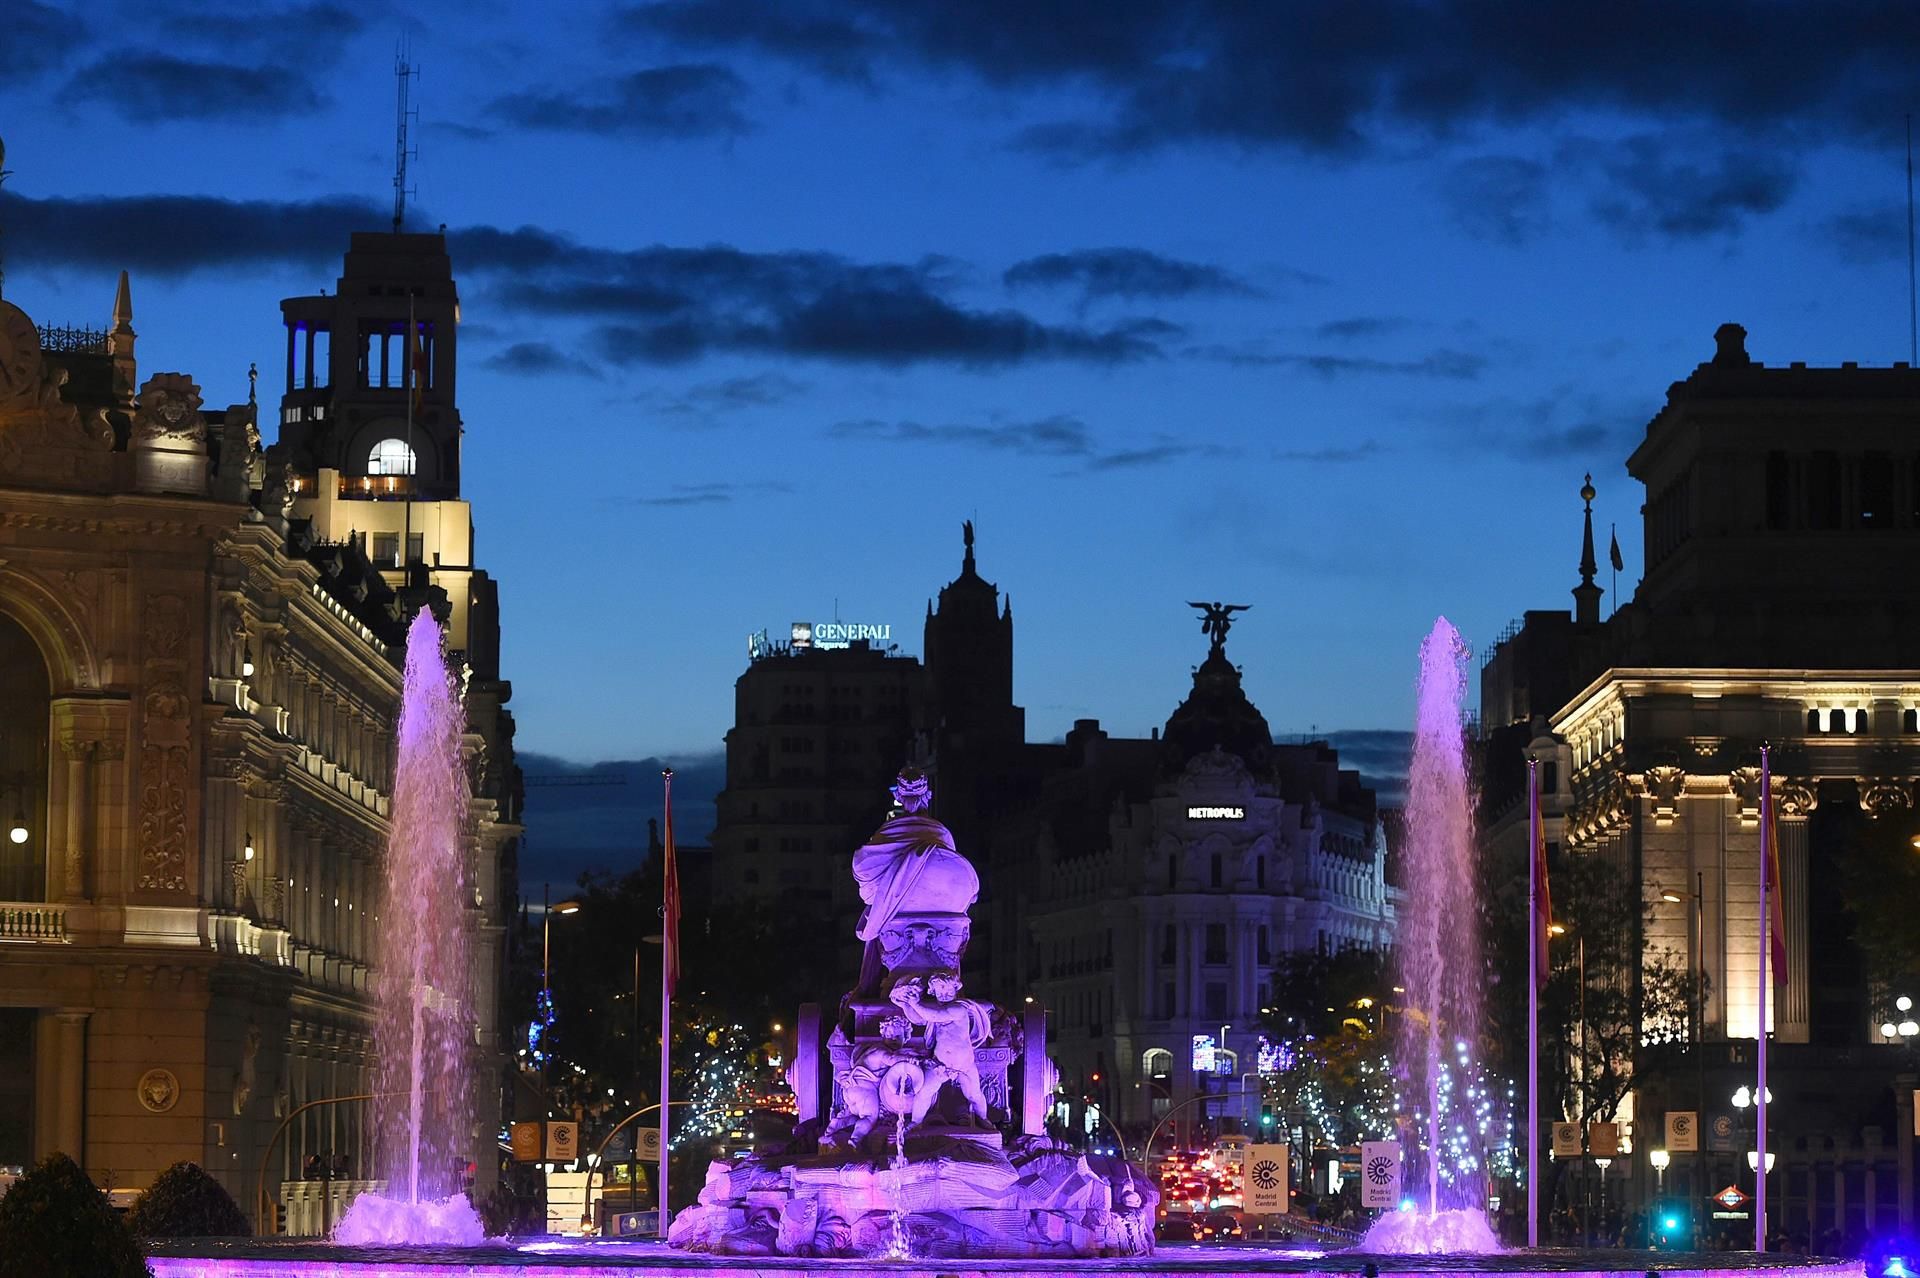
x=1216, y=814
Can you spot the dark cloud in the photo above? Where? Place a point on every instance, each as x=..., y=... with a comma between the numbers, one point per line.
x=1356, y=327
x=38, y=39
x=1332, y=455
x=714, y=494
x=1498, y=197
x=1867, y=235
x=685, y=101
x=295, y=34
x=655, y=305
x=180, y=234
x=1335, y=78
x=756, y=390
x=1126, y=273
x=1568, y=422
x=1058, y=436
x=148, y=87
x=539, y=359
x=1647, y=188
x=1443, y=363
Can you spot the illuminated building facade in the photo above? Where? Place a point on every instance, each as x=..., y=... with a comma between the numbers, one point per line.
x=196, y=746
x=1778, y=605
x=1166, y=878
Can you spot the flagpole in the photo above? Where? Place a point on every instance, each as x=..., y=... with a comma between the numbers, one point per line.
x=1533, y=1003
x=409, y=373
x=669, y=941
x=1767, y=853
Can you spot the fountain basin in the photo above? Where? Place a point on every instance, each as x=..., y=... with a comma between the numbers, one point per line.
x=610, y=1258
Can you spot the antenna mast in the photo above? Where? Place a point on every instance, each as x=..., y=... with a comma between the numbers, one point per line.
x=403, y=71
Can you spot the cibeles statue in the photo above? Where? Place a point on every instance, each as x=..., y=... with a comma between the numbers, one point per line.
x=917, y=889
x=934, y=1122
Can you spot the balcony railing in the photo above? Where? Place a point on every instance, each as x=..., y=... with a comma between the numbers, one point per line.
x=33, y=921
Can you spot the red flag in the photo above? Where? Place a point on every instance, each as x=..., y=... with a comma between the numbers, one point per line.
x=1776, y=899
x=670, y=898
x=1542, y=898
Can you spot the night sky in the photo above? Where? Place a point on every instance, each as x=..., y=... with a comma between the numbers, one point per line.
x=1322, y=308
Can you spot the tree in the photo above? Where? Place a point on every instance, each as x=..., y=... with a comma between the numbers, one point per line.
x=185, y=1202
x=55, y=1223
x=1879, y=882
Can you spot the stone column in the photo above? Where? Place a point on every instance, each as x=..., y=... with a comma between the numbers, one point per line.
x=73, y=876
x=70, y=1105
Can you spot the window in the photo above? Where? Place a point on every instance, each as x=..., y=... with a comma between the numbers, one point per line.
x=1823, y=490
x=386, y=549
x=1876, y=491
x=1216, y=943
x=1550, y=777
x=1213, y=869
x=1167, y=946
x=416, y=547
x=1156, y=1063
x=1216, y=1000
x=1260, y=872
x=1166, y=1001
x=391, y=457
x=1266, y=955
x=1779, y=502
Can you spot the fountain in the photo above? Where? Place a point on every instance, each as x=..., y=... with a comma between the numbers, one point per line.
x=423, y=1033
x=1440, y=968
x=967, y=1168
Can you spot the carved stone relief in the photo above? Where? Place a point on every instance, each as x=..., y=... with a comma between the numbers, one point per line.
x=165, y=752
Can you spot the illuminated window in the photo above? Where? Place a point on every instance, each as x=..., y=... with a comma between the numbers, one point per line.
x=391, y=457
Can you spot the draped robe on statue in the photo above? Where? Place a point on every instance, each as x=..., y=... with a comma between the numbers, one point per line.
x=908, y=867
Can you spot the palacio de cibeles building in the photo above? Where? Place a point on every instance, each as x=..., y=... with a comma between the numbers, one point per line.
x=200, y=644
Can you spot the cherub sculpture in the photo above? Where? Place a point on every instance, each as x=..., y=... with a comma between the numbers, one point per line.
x=955, y=1026
x=861, y=1083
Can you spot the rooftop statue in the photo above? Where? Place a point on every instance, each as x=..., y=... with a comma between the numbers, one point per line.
x=1216, y=619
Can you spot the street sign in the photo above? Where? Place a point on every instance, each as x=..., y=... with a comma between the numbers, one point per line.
x=1380, y=1173
x=1720, y=1133
x=649, y=1144
x=1683, y=1131
x=1263, y=1185
x=524, y=1138
x=1732, y=1198
x=1603, y=1140
x=1566, y=1140
x=563, y=1144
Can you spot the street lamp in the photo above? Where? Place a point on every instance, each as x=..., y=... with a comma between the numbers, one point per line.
x=1659, y=1158
x=1753, y=1160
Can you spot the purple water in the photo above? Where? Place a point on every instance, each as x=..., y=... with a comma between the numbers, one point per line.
x=1439, y=961
x=423, y=1114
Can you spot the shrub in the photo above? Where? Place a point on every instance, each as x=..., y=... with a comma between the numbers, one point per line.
x=185, y=1202
x=54, y=1223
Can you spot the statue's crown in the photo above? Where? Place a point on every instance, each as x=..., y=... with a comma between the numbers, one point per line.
x=912, y=791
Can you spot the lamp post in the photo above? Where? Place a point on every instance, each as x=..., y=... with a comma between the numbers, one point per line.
x=1697, y=1031
x=1743, y=1099
x=563, y=908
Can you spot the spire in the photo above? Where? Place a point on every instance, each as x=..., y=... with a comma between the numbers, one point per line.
x=1586, y=595
x=120, y=340
x=123, y=306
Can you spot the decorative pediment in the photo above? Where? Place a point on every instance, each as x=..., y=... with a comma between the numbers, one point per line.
x=169, y=414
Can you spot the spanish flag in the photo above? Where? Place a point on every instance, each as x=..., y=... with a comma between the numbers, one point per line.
x=1776, y=899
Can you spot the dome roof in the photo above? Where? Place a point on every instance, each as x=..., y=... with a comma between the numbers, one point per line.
x=1217, y=713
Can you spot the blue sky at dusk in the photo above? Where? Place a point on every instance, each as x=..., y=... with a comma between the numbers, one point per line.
x=1320, y=308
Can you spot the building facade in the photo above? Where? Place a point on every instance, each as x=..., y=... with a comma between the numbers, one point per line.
x=196, y=751
x=1778, y=606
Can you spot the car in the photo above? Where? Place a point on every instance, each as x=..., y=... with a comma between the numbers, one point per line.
x=1178, y=1227
x=1219, y=1226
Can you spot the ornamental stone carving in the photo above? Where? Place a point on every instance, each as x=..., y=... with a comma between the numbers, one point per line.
x=164, y=753
x=1796, y=798
x=158, y=1090
x=1745, y=785
x=169, y=414
x=1885, y=796
x=1665, y=784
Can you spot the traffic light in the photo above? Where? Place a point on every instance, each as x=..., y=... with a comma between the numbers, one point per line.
x=1266, y=1117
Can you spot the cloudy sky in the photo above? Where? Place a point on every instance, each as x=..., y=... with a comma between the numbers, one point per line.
x=1323, y=308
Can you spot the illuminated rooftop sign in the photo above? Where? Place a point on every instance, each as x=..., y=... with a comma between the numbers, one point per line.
x=1216, y=814
x=840, y=634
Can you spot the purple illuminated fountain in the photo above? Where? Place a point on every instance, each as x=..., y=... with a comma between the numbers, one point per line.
x=1440, y=969
x=423, y=1113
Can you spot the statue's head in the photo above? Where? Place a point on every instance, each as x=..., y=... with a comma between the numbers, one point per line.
x=912, y=790
x=944, y=986
x=894, y=1029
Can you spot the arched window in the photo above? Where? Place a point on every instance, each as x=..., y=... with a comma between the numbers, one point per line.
x=391, y=457
x=1156, y=1062
x=24, y=712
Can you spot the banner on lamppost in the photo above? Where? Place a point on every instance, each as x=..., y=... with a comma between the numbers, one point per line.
x=563, y=1143
x=1603, y=1140
x=649, y=1144
x=1566, y=1140
x=1380, y=1173
x=1263, y=1180
x=1720, y=1133
x=525, y=1138
x=1683, y=1131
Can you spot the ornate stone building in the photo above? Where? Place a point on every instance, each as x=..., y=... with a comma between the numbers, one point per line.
x=1167, y=877
x=1778, y=605
x=196, y=745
